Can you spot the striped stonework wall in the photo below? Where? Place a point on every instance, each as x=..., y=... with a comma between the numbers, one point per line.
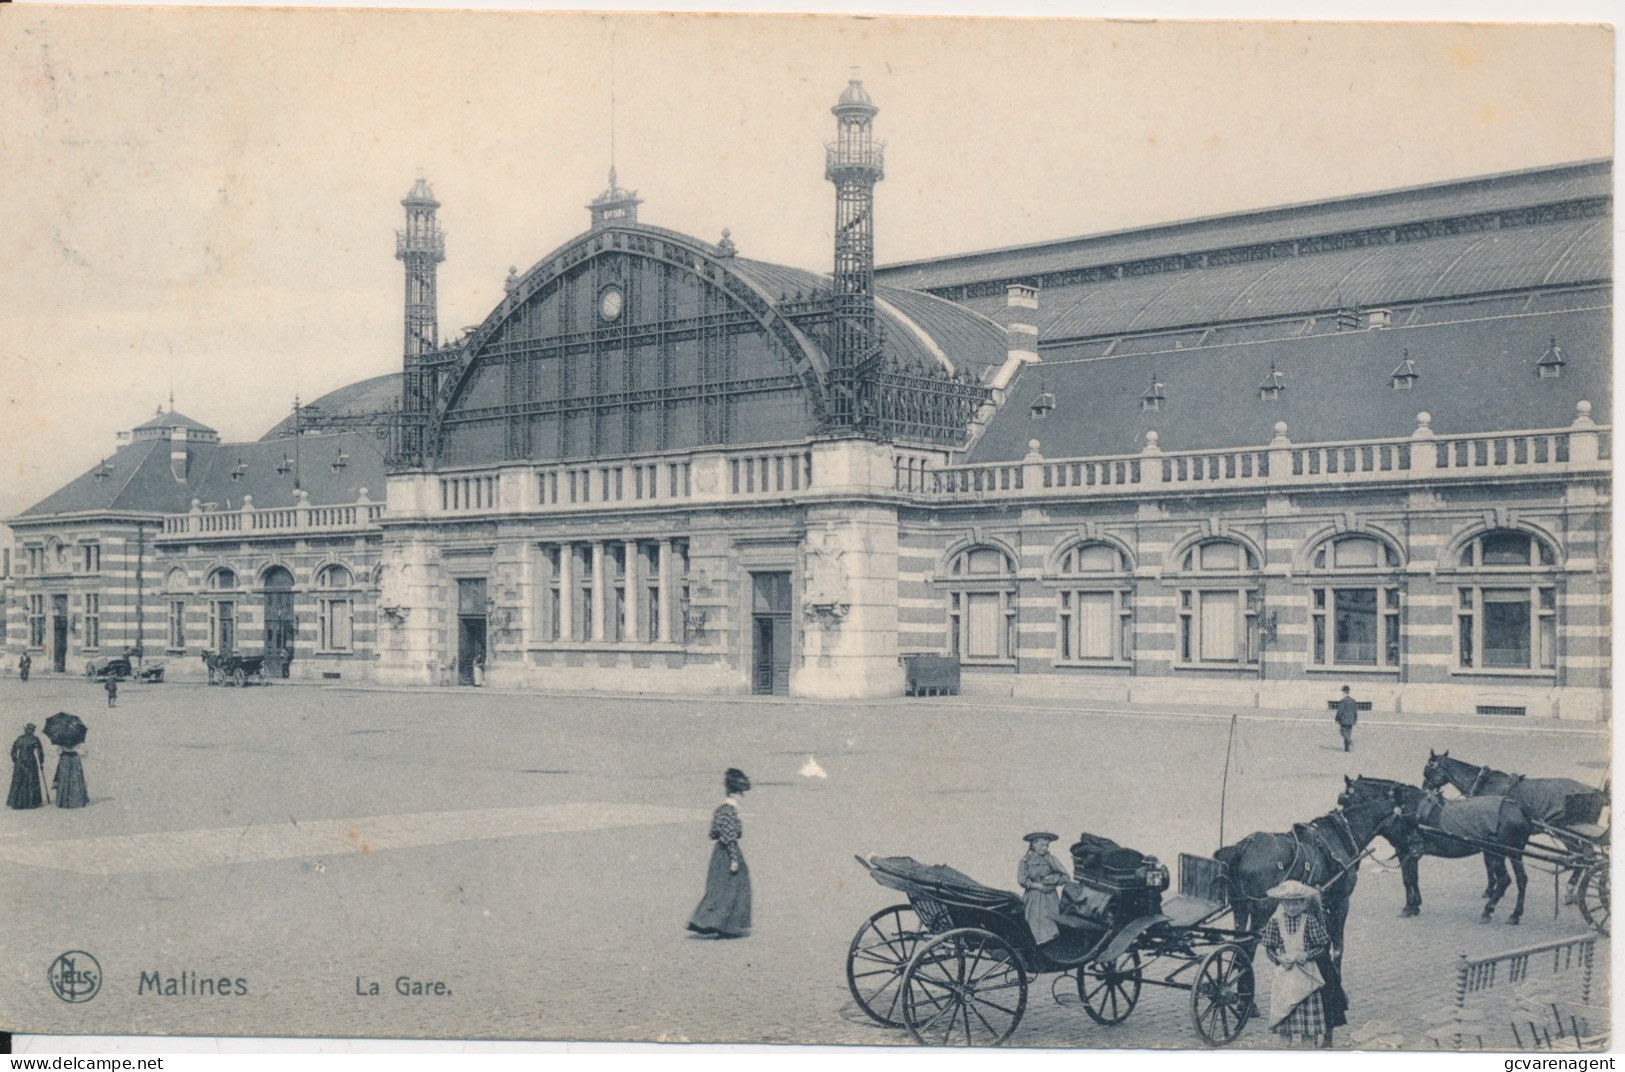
x=180, y=571
x=1425, y=529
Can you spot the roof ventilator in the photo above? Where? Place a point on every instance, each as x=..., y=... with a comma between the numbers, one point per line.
x=1550, y=365
x=1270, y=390
x=1405, y=375
x=1044, y=403
x=1154, y=396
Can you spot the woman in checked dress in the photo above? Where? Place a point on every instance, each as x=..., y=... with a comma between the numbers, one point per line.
x=724, y=911
x=1306, y=999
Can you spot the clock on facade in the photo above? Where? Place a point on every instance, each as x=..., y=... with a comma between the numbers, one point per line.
x=609, y=303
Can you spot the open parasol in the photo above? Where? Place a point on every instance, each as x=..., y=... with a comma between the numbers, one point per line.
x=65, y=730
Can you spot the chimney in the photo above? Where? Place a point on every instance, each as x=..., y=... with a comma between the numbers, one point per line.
x=177, y=453
x=1020, y=322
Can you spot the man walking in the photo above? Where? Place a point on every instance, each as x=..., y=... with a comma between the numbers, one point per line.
x=24, y=663
x=1348, y=713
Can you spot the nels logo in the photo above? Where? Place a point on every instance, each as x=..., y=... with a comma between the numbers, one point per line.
x=75, y=976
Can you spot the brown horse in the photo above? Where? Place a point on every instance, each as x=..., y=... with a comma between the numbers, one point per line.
x=1495, y=827
x=1321, y=852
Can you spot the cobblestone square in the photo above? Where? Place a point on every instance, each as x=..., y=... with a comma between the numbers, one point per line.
x=537, y=855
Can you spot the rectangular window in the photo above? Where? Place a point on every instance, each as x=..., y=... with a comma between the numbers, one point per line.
x=1218, y=626
x=177, y=624
x=333, y=624
x=954, y=633
x=223, y=626
x=36, y=621
x=1097, y=625
x=90, y=558
x=93, y=620
x=1355, y=629
x=1506, y=627
x=985, y=623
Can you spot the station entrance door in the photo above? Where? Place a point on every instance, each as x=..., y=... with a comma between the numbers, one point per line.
x=771, y=633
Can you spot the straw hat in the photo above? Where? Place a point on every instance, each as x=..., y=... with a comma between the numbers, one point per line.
x=1040, y=835
x=1293, y=890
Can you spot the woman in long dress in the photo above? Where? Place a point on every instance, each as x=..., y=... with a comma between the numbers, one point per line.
x=1040, y=875
x=1306, y=999
x=724, y=911
x=69, y=781
x=27, y=763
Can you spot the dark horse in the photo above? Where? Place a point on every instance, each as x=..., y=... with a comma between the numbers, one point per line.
x=1321, y=852
x=1453, y=829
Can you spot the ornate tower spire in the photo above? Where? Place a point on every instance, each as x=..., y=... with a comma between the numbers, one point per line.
x=854, y=163
x=421, y=246
x=614, y=205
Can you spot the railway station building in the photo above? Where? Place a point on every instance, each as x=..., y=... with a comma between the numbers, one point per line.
x=1245, y=459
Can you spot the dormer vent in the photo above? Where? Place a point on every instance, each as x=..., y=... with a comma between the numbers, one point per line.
x=1154, y=396
x=1272, y=386
x=1405, y=375
x=1550, y=365
x=1043, y=405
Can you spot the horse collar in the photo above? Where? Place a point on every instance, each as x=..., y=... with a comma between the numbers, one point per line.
x=1478, y=781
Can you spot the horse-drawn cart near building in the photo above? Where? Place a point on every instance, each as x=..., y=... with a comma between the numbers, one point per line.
x=954, y=964
x=122, y=668
x=239, y=670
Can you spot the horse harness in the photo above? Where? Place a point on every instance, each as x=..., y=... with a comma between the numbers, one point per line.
x=1341, y=856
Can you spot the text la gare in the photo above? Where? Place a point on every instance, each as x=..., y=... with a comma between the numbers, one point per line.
x=405, y=986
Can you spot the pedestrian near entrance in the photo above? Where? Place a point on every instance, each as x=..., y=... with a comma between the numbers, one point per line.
x=24, y=664
x=111, y=685
x=27, y=771
x=724, y=911
x=1040, y=875
x=1348, y=713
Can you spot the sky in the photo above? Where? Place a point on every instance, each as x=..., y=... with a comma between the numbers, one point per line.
x=203, y=201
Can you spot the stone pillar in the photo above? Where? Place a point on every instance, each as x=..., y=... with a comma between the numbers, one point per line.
x=1424, y=458
x=668, y=560
x=636, y=627
x=848, y=604
x=598, y=557
x=567, y=591
x=410, y=643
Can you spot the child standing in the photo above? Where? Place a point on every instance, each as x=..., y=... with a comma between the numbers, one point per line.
x=1040, y=876
x=111, y=685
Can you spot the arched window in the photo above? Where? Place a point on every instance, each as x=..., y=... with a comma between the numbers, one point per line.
x=1506, y=615
x=1353, y=616
x=222, y=579
x=982, y=605
x=1096, y=613
x=333, y=577
x=1219, y=603
x=334, y=609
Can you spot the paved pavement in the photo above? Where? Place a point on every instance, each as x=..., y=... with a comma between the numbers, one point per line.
x=538, y=855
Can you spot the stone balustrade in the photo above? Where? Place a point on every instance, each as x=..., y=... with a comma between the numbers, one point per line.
x=1582, y=447
x=247, y=520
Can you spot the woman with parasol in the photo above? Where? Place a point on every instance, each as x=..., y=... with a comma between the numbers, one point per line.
x=67, y=732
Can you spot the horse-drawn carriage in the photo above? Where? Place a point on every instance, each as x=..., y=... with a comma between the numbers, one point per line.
x=953, y=964
x=1509, y=819
x=1567, y=816
x=238, y=670
x=121, y=668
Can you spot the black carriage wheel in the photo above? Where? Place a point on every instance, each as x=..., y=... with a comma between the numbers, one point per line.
x=877, y=958
x=964, y=988
x=1109, y=992
x=1594, y=897
x=238, y=678
x=1222, y=995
